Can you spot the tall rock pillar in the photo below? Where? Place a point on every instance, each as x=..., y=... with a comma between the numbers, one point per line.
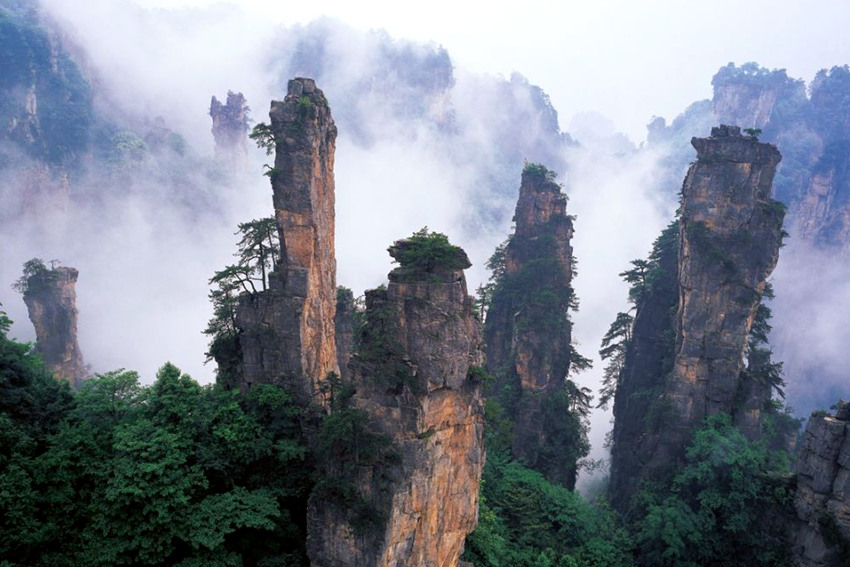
x=688, y=356
x=51, y=300
x=288, y=332
x=527, y=330
x=416, y=392
x=730, y=232
x=822, y=502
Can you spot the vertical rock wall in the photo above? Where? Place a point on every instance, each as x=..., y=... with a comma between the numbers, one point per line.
x=822, y=503
x=730, y=233
x=51, y=300
x=527, y=330
x=412, y=380
x=649, y=358
x=346, y=311
x=288, y=332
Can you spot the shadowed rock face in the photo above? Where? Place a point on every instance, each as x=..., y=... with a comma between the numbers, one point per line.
x=344, y=329
x=528, y=343
x=649, y=357
x=823, y=214
x=288, y=332
x=412, y=379
x=822, y=502
x=51, y=300
x=730, y=232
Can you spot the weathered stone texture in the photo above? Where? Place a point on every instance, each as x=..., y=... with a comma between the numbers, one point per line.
x=428, y=495
x=729, y=234
x=527, y=352
x=51, y=300
x=823, y=214
x=288, y=332
x=822, y=501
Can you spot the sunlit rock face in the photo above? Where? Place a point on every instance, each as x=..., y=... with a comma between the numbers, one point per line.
x=412, y=379
x=528, y=342
x=730, y=231
x=822, y=501
x=51, y=300
x=288, y=331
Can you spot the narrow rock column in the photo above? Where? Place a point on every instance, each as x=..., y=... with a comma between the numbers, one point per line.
x=288, y=332
x=527, y=331
x=729, y=234
x=51, y=300
x=412, y=380
x=822, y=501
x=230, y=126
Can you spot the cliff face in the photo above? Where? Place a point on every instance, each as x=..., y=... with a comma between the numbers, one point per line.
x=51, y=300
x=649, y=358
x=346, y=311
x=822, y=503
x=748, y=96
x=288, y=331
x=728, y=242
x=230, y=125
x=730, y=233
x=823, y=214
x=412, y=383
x=527, y=330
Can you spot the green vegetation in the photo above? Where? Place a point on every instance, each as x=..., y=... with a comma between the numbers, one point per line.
x=727, y=506
x=615, y=344
x=346, y=446
x=652, y=285
x=167, y=474
x=426, y=252
x=64, y=114
x=264, y=137
x=539, y=298
x=35, y=270
x=540, y=171
x=526, y=521
x=257, y=254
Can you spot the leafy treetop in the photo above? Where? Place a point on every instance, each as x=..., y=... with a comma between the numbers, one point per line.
x=427, y=252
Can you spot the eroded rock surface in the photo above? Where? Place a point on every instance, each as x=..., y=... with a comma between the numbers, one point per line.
x=729, y=235
x=822, y=503
x=412, y=379
x=51, y=300
x=288, y=331
x=527, y=331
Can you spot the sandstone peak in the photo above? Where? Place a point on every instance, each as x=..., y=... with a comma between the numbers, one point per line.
x=51, y=299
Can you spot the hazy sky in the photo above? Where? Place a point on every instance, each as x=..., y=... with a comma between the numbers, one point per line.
x=629, y=60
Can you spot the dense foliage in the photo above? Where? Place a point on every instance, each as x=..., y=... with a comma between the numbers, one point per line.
x=728, y=504
x=526, y=521
x=169, y=474
x=425, y=252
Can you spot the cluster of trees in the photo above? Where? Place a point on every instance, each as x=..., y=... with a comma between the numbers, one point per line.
x=528, y=521
x=168, y=474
